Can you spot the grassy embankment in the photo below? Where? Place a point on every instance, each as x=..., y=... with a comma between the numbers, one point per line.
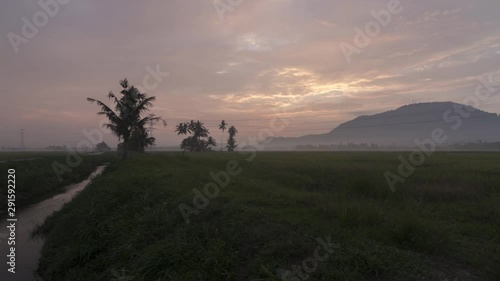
x=441, y=224
x=36, y=179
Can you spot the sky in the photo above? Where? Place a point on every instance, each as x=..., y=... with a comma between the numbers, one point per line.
x=244, y=61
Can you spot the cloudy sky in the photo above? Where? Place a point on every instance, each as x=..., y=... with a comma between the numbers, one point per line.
x=243, y=61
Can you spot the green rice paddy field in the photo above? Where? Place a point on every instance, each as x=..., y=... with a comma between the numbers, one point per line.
x=280, y=216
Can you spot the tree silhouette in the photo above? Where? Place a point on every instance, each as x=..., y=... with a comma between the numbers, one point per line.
x=231, y=141
x=199, y=139
x=222, y=127
x=211, y=142
x=140, y=140
x=127, y=119
x=182, y=129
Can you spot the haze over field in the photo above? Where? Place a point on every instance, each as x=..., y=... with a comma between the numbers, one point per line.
x=259, y=59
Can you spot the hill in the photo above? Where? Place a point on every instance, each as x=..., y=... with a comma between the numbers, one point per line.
x=402, y=126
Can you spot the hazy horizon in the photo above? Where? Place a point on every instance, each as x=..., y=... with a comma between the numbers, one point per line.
x=257, y=60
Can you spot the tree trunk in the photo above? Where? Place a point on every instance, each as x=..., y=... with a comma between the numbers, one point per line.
x=125, y=149
x=221, y=140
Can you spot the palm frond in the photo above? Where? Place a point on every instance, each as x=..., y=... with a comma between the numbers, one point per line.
x=124, y=83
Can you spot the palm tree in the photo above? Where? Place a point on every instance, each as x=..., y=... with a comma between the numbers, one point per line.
x=182, y=129
x=199, y=139
x=126, y=118
x=222, y=127
x=211, y=142
x=231, y=141
x=232, y=131
x=140, y=139
x=199, y=131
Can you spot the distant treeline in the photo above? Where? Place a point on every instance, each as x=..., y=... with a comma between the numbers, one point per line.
x=466, y=146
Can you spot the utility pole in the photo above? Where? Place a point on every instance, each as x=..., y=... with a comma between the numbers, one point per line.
x=22, y=139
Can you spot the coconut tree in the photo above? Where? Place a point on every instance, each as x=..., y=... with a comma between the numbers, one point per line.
x=182, y=129
x=140, y=140
x=199, y=130
x=211, y=142
x=231, y=141
x=222, y=127
x=127, y=115
x=199, y=139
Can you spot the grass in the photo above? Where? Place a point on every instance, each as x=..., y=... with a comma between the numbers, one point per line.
x=441, y=224
x=17, y=155
x=36, y=179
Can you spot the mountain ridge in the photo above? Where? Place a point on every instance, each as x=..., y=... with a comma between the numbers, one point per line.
x=403, y=125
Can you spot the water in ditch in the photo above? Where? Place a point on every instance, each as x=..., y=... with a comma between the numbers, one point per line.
x=27, y=251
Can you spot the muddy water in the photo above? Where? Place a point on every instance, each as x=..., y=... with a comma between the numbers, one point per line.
x=28, y=249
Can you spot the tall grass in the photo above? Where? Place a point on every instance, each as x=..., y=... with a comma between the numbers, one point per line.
x=441, y=224
x=36, y=179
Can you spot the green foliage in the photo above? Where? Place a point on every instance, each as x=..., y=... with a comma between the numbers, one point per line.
x=121, y=275
x=441, y=224
x=199, y=140
x=222, y=126
x=36, y=178
x=126, y=121
x=139, y=141
x=231, y=141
